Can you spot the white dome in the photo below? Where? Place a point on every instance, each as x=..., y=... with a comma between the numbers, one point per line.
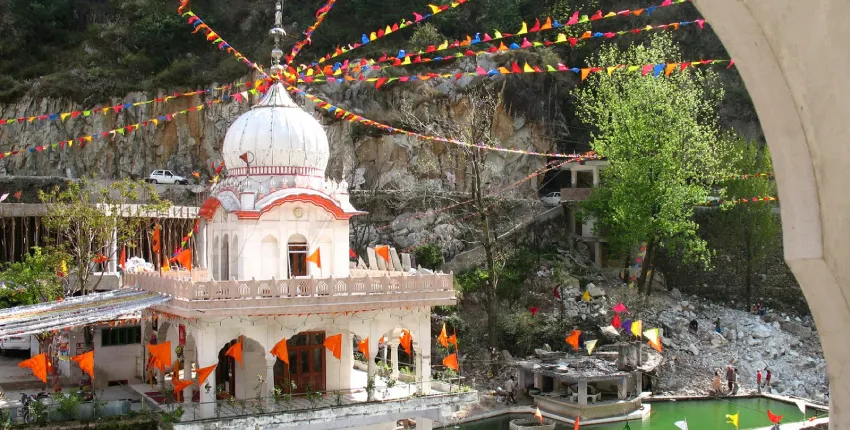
x=283, y=138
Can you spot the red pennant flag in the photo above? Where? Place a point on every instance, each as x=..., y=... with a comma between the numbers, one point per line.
x=616, y=321
x=515, y=68
x=244, y=157
x=773, y=418
x=533, y=310
x=351, y=253
x=122, y=261
x=597, y=15
x=557, y=293
x=536, y=26
x=380, y=82
x=18, y=194
x=573, y=19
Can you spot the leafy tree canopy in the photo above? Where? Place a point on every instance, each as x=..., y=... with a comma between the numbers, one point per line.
x=33, y=280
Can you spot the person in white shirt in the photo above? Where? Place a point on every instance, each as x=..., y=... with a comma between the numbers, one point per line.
x=510, y=388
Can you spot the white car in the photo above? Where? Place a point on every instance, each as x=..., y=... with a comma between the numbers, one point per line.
x=15, y=342
x=552, y=199
x=166, y=177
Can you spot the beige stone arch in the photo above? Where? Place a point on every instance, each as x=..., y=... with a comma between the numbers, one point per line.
x=791, y=55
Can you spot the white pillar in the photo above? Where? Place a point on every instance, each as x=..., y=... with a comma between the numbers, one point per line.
x=582, y=392
x=423, y=358
x=424, y=424
x=374, y=348
x=573, y=178
x=394, y=358
x=622, y=388
x=207, y=345
x=597, y=251
x=269, y=388
x=113, y=259
x=202, y=244
x=595, y=177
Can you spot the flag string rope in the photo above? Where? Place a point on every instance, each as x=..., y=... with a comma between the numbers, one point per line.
x=645, y=69
x=320, y=16
x=85, y=113
x=383, y=32
x=217, y=40
x=352, y=117
x=405, y=59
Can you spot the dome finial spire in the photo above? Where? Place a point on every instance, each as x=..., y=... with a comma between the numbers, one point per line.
x=277, y=31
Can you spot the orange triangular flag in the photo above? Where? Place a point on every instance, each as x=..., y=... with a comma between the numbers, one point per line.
x=156, y=243
x=38, y=364
x=204, y=373
x=179, y=386
x=572, y=339
x=86, y=362
x=122, y=261
x=584, y=73
x=316, y=258
x=538, y=415
x=453, y=339
x=184, y=258
x=451, y=362
x=160, y=354
x=165, y=266
x=443, y=338
x=235, y=351
x=405, y=341
x=280, y=351
x=334, y=343
x=363, y=346
x=575, y=426
x=383, y=251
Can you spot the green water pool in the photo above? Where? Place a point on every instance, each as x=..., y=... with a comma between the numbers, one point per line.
x=700, y=414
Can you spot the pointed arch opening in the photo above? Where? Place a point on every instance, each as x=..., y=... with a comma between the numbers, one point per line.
x=297, y=255
x=270, y=248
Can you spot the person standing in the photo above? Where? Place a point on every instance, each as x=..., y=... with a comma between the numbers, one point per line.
x=735, y=381
x=510, y=387
x=730, y=377
x=767, y=379
x=716, y=383
x=758, y=380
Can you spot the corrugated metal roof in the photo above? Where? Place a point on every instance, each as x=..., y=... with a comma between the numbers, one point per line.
x=75, y=311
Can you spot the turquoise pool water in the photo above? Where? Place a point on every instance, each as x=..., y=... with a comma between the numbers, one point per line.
x=700, y=414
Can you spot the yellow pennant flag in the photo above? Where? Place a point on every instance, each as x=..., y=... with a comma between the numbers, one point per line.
x=524, y=28
x=611, y=70
x=586, y=296
x=590, y=345
x=733, y=419
x=527, y=69
x=637, y=327
x=561, y=38
x=443, y=45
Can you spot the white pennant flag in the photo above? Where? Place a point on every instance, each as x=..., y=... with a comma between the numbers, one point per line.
x=590, y=345
x=3, y=197
x=610, y=330
x=681, y=424
x=801, y=405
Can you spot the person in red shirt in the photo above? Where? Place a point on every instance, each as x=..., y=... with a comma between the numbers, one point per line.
x=767, y=378
x=758, y=380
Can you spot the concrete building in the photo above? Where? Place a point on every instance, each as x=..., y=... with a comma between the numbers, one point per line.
x=274, y=264
x=584, y=177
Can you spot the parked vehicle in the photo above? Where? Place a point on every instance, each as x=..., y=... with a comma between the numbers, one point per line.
x=166, y=177
x=15, y=342
x=27, y=411
x=552, y=199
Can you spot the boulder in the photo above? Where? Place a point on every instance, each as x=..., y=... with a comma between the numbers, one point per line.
x=595, y=291
x=676, y=294
x=693, y=349
x=717, y=339
x=798, y=329
x=761, y=331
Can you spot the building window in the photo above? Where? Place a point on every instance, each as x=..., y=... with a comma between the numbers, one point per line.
x=297, y=259
x=120, y=336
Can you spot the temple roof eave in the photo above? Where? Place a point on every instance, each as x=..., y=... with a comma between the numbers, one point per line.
x=229, y=201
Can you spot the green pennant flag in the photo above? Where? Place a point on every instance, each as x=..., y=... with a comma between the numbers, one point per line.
x=627, y=427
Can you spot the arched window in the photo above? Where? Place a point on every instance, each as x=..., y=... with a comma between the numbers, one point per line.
x=297, y=250
x=271, y=254
x=216, y=259
x=224, y=262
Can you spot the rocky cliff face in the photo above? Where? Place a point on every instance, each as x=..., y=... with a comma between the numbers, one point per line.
x=192, y=141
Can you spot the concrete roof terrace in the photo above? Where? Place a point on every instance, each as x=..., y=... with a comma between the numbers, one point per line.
x=196, y=296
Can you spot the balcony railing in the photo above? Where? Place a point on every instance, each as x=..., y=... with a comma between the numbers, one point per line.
x=349, y=293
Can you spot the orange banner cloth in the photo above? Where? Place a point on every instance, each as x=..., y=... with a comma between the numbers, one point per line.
x=280, y=351
x=39, y=366
x=572, y=339
x=575, y=427
x=205, y=372
x=235, y=351
x=443, y=338
x=383, y=251
x=156, y=243
x=123, y=260
x=179, y=386
x=451, y=362
x=165, y=266
x=184, y=258
x=160, y=354
x=334, y=343
x=316, y=258
x=405, y=341
x=453, y=339
x=86, y=362
x=363, y=346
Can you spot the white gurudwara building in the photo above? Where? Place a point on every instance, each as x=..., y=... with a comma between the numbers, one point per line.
x=258, y=230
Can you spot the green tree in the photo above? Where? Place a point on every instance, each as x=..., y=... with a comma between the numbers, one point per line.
x=33, y=280
x=662, y=140
x=93, y=220
x=429, y=256
x=747, y=232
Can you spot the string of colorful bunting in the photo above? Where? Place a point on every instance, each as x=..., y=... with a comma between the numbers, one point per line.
x=62, y=116
x=405, y=59
x=320, y=16
x=382, y=32
x=352, y=117
x=83, y=140
x=645, y=69
x=215, y=39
